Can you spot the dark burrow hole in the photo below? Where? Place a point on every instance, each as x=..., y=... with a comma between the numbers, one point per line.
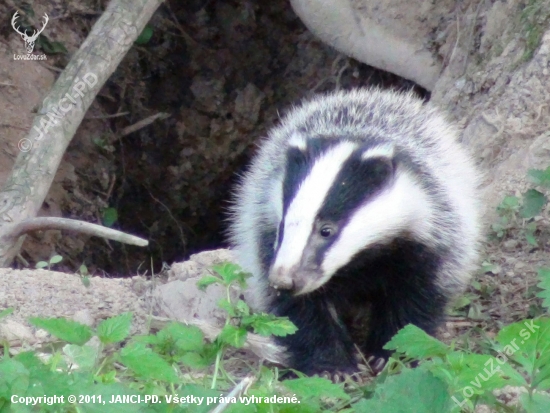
x=224, y=70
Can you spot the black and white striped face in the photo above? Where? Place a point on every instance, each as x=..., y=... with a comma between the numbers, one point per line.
x=340, y=198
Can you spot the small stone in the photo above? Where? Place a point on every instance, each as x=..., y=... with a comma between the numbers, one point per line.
x=510, y=245
x=519, y=265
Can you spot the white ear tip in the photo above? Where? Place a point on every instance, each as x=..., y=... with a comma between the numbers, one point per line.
x=386, y=150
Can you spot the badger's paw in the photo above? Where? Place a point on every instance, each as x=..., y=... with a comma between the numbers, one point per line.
x=340, y=376
x=375, y=365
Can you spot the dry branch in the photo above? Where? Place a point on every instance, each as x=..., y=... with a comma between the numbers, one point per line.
x=40, y=224
x=61, y=113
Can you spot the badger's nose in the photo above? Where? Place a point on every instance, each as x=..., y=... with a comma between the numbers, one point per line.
x=281, y=279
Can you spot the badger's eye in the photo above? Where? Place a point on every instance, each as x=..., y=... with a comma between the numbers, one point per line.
x=326, y=231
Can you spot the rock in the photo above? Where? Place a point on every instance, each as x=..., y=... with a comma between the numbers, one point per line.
x=16, y=333
x=198, y=264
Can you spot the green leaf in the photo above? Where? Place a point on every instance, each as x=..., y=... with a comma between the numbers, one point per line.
x=145, y=35
x=56, y=259
x=269, y=324
x=110, y=216
x=115, y=329
x=41, y=264
x=481, y=373
x=412, y=391
x=6, y=312
x=528, y=343
x=242, y=308
x=230, y=272
x=225, y=305
x=83, y=356
x=147, y=364
x=83, y=270
x=314, y=387
x=187, y=338
x=66, y=330
x=415, y=343
x=544, y=285
x=540, y=177
x=14, y=378
x=537, y=403
x=234, y=336
x=533, y=202
x=508, y=204
x=206, y=281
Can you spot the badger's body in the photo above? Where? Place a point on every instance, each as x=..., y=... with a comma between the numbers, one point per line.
x=359, y=215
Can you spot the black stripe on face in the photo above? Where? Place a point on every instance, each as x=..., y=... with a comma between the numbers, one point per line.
x=299, y=164
x=358, y=180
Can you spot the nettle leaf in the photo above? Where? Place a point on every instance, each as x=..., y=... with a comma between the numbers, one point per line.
x=14, y=378
x=269, y=324
x=415, y=343
x=528, y=343
x=144, y=362
x=544, y=285
x=234, y=336
x=412, y=391
x=480, y=373
x=66, y=330
x=540, y=177
x=509, y=203
x=242, y=308
x=83, y=356
x=230, y=272
x=115, y=329
x=314, y=387
x=206, y=281
x=533, y=202
x=187, y=338
x=536, y=403
x=225, y=305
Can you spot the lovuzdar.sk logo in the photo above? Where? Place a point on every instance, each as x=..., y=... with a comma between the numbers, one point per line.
x=29, y=40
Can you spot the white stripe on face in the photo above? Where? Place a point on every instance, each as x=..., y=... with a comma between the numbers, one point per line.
x=402, y=207
x=307, y=202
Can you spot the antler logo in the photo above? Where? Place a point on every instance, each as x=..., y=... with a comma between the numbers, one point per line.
x=29, y=40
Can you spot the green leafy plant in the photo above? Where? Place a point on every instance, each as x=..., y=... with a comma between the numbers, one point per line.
x=178, y=370
x=53, y=260
x=515, y=212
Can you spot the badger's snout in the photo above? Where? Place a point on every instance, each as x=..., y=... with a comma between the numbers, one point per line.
x=281, y=278
x=297, y=280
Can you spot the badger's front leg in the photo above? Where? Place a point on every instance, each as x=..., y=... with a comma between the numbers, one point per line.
x=322, y=343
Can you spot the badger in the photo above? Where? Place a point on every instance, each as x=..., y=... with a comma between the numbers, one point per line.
x=358, y=215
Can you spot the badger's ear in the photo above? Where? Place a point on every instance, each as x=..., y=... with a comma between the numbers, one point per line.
x=386, y=150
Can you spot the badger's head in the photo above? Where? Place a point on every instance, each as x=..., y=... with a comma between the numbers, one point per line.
x=341, y=197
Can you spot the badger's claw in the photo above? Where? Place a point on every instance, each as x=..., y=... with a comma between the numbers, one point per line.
x=376, y=364
x=340, y=376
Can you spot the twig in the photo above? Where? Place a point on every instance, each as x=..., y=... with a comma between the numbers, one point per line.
x=40, y=224
x=114, y=115
x=143, y=123
x=237, y=391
